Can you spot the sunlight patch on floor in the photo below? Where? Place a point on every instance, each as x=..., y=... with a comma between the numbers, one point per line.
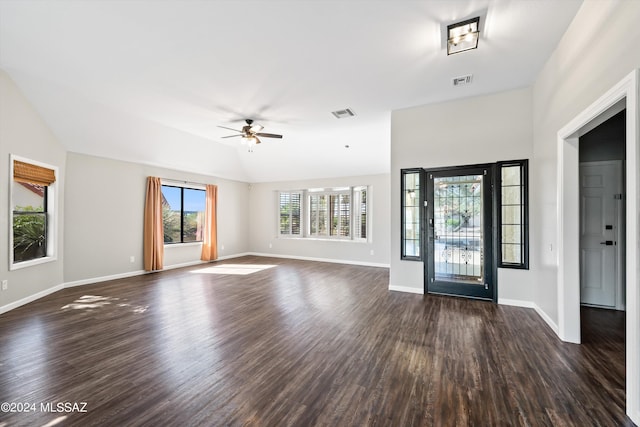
x=88, y=302
x=55, y=422
x=237, y=269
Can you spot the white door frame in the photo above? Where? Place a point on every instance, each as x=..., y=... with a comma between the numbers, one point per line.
x=624, y=93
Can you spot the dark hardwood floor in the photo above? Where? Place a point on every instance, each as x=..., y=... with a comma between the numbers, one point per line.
x=298, y=344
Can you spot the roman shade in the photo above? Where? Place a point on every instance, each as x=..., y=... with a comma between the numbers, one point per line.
x=27, y=172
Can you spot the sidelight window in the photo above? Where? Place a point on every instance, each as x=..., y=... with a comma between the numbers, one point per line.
x=513, y=234
x=411, y=240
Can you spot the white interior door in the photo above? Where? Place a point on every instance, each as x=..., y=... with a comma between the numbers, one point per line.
x=600, y=202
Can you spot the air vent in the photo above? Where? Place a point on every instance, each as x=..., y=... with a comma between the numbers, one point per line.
x=341, y=114
x=462, y=80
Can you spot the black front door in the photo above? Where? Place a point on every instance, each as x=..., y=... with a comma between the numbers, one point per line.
x=459, y=232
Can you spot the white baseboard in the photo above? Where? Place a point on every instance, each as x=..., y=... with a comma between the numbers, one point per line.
x=516, y=303
x=547, y=319
x=331, y=260
x=141, y=272
x=30, y=298
x=182, y=264
x=406, y=289
x=531, y=304
x=102, y=279
x=222, y=258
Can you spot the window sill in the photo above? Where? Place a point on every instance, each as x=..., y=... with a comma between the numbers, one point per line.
x=181, y=245
x=31, y=263
x=324, y=239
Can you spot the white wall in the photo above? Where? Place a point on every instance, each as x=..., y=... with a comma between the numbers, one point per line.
x=597, y=51
x=23, y=133
x=264, y=221
x=105, y=213
x=482, y=129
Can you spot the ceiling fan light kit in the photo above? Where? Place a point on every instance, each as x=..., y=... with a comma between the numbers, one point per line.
x=250, y=133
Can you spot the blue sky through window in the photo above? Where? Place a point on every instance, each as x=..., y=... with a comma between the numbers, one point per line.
x=194, y=200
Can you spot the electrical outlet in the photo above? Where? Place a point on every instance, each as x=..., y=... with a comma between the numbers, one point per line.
x=132, y=259
x=371, y=251
x=222, y=247
x=270, y=245
x=5, y=285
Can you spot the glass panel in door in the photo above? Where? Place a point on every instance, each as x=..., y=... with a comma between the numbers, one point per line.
x=457, y=213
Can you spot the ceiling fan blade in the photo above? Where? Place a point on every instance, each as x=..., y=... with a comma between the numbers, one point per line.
x=268, y=135
x=235, y=130
x=257, y=140
x=256, y=128
x=230, y=136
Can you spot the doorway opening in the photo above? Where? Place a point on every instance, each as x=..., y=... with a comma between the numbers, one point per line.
x=602, y=151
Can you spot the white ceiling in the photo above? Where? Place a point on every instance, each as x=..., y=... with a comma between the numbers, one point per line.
x=149, y=81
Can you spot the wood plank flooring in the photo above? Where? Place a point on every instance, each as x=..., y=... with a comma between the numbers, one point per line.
x=300, y=344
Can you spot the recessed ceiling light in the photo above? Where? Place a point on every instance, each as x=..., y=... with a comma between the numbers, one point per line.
x=463, y=36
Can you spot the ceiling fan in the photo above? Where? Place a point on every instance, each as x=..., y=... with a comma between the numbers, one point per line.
x=250, y=133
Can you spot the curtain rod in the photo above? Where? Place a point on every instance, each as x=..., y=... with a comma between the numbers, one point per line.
x=176, y=181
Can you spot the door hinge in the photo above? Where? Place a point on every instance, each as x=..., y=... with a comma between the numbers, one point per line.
x=486, y=286
x=485, y=171
x=432, y=280
x=431, y=176
x=617, y=196
x=426, y=203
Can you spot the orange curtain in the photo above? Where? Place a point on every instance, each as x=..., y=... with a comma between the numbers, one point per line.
x=153, y=231
x=209, y=240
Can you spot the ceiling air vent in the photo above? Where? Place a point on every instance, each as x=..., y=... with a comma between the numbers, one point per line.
x=341, y=114
x=462, y=80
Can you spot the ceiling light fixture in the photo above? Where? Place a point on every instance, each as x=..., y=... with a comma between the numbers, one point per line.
x=250, y=141
x=463, y=36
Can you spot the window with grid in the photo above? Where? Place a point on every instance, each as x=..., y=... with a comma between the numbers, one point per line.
x=318, y=215
x=513, y=233
x=290, y=211
x=330, y=213
x=333, y=213
x=340, y=214
x=360, y=213
x=411, y=201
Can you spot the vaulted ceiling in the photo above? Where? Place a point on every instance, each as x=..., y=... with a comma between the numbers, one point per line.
x=150, y=81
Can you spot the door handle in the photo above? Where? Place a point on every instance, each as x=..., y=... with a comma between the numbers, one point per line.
x=608, y=243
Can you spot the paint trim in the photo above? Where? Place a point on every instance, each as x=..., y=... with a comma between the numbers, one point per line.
x=406, y=289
